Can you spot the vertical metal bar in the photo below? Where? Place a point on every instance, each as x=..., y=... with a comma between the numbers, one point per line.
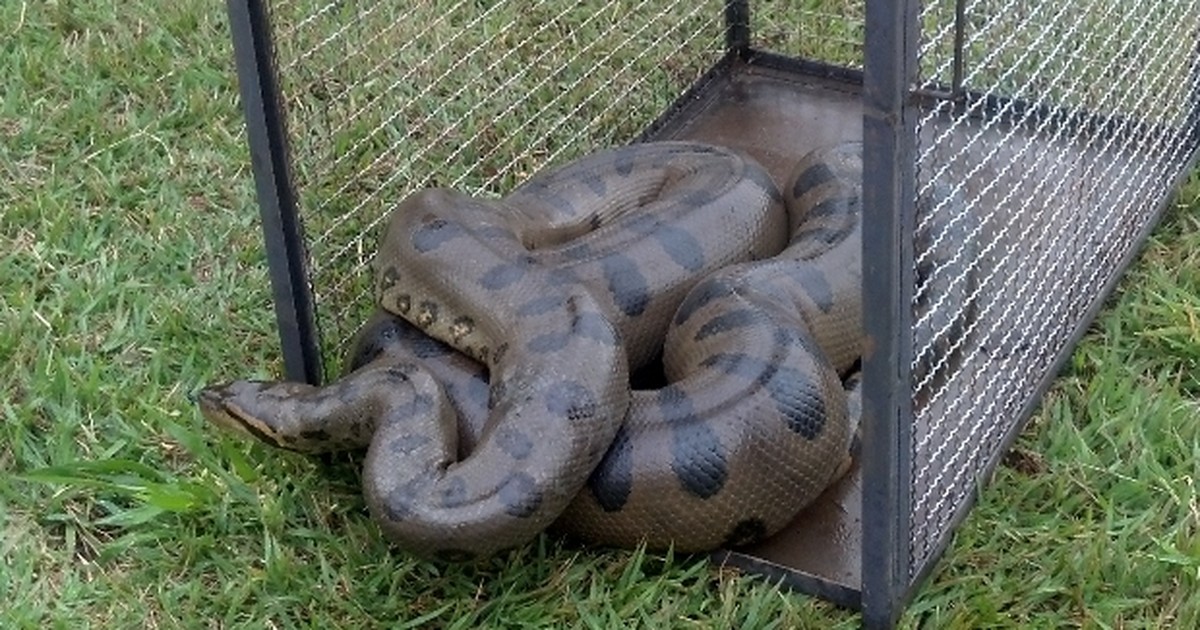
x=737, y=27
x=955, y=91
x=960, y=29
x=1193, y=118
x=282, y=232
x=889, y=154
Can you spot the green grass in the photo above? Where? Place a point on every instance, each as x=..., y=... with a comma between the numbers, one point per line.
x=132, y=274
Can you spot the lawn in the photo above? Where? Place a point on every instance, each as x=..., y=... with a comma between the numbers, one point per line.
x=133, y=274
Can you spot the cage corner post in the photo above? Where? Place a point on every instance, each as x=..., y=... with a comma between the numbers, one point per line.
x=889, y=146
x=284, y=239
x=737, y=27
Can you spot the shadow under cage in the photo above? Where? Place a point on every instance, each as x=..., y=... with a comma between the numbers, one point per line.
x=1016, y=154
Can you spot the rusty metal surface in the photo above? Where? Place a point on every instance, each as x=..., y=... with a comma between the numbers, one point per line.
x=776, y=117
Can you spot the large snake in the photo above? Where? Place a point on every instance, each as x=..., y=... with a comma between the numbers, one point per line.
x=554, y=292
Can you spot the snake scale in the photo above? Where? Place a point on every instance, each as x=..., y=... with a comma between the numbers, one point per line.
x=551, y=295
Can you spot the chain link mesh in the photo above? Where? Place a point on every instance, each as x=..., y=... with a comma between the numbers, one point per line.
x=383, y=98
x=1078, y=116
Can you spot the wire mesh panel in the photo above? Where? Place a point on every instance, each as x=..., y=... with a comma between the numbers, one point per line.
x=1034, y=141
x=1067, y=124
x=383, y=98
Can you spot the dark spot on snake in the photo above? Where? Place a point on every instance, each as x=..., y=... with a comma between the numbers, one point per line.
x=730, y=320
x=425, y=347
x=788, y=336
x=403, y=303
x=593, y=326
x=596, y=183
x=641, y=223
x=495, y=232
x=454, y=555
x=746, y=532
x=798, y=399
x=697, y=197
x=544, y=188
x=548, y=342
x=455, y=493
x=571, y=401
x=514, y=442
x=812, y=279
x=561, y=277
x=519, y=495
x=406, y=444
x=674, y=404
x=812, y=177
x=421, y=404
x=503, y=275
x=835, y=206
x=623, y=160
x=400, y=502
x=540, y=305
x=701, y=295
x=794, y=392
x=499, y=352
x=612, y=481
x=681, y=246
x=432, y=235
x=317, y=435
x=829, y=236
x=578, y=251
x=397, y=372
x=736, y=364
x=626, y=284
x=427, y=313
x=697, y=456
x=535, y=185
x=764, y=180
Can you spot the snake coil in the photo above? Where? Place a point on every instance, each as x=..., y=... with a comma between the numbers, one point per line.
x=492, y=387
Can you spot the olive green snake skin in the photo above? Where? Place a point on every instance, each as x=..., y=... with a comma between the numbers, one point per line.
x=552, y=295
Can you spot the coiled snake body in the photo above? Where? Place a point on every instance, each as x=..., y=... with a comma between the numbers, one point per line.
x=554, y=292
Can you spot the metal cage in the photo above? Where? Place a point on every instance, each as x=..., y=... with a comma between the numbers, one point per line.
x=1016, y=154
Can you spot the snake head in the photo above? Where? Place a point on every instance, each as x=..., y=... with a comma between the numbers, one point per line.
x=239, y=406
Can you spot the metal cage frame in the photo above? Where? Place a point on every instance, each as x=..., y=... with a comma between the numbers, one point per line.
x=892, y=98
